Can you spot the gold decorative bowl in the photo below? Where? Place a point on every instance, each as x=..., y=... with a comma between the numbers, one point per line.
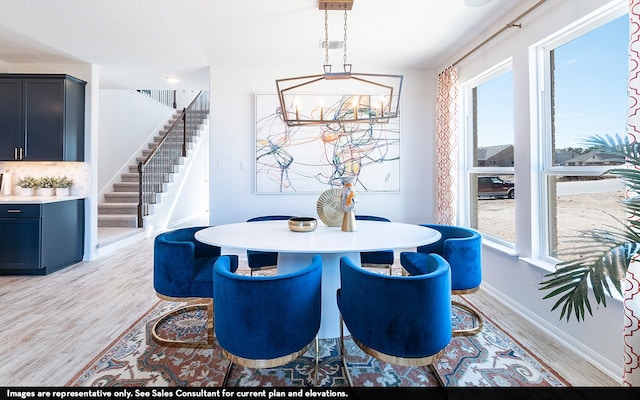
x=302, y=224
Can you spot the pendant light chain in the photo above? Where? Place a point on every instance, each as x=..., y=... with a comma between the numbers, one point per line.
x=326, y=36
x=344, y=57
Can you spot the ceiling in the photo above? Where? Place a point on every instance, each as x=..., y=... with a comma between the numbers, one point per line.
x=137, y=43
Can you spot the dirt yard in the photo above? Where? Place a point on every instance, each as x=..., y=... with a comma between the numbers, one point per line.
x=576, y=213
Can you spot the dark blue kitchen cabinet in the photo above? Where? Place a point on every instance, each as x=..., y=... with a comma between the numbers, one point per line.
x=37, y=239
x=41, y=117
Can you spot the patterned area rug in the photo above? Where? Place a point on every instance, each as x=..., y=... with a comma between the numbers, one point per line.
x=491, y=358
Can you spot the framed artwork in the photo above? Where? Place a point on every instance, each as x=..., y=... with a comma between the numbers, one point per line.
x=312, y=158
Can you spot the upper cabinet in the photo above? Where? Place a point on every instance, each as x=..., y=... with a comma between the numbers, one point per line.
x=41, y=117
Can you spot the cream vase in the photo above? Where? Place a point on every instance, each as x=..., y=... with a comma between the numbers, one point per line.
x=46, y=192
x=62, y=192
x=24, y=192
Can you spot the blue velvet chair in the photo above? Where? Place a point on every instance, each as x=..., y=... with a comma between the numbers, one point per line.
x=266, y=321
x=376, y=259
x=183, y=272
x=462, y=248
x=403, y=320
x=263, y=260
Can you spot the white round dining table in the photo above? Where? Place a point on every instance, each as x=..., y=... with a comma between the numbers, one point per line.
x=295, y=250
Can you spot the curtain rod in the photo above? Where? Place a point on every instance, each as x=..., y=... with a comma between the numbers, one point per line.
x=511, y=24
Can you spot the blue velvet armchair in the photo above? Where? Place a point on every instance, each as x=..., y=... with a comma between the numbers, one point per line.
x=409, y=325
x=263, y=260
x=266, y=321
x=462, y=248
x=376, y=259
x=183, y=271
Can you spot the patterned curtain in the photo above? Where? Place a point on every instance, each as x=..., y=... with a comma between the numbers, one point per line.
x=446, y=146
x=632, y=283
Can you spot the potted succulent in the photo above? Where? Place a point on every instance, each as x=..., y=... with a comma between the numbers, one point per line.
x=46, y=186
x=26, y=185
x=63, y=185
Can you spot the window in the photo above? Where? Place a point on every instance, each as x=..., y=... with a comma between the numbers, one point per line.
x=490, y=187
x=584, y=94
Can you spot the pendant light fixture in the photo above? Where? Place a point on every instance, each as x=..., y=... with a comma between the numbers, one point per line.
x=338, y=97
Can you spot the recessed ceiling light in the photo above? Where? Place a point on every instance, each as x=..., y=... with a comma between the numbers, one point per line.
x=171, y=79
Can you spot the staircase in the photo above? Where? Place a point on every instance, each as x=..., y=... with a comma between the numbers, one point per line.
x=120, y=206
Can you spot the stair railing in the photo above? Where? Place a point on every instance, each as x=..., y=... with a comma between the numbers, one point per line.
x=166, y=97
x=155, y=170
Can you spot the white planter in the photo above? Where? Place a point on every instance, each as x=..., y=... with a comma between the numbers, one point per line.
x=62, y=192
x=20, y=191
x=46, y=192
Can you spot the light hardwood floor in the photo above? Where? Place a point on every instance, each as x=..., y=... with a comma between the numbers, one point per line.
x=52, y=326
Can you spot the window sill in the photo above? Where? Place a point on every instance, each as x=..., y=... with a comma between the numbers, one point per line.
x=542, y=264
x=508, y=250
x=550, y=267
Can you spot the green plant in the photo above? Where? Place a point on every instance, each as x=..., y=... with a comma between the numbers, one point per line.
x=63, y=182
x=46, y=182
x=602, y=256
x=27, y=182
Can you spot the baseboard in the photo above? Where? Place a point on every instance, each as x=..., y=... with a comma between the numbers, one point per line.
x=606, y=366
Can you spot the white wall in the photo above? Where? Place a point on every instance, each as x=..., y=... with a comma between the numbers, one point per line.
x=122, y=131
x=514, y=278
x=233, y=197
x=185, y=97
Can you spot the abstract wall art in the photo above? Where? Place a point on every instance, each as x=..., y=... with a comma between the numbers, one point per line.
x=312, y=158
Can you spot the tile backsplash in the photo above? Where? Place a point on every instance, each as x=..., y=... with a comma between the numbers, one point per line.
x=78, y=171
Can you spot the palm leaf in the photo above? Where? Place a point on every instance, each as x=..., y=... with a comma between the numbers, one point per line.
x=600, y=257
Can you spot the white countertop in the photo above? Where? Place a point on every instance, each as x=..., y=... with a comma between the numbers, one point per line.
x=37, y=199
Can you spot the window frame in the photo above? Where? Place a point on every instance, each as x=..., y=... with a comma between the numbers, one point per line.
x=541, y=138
x=467, y=149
